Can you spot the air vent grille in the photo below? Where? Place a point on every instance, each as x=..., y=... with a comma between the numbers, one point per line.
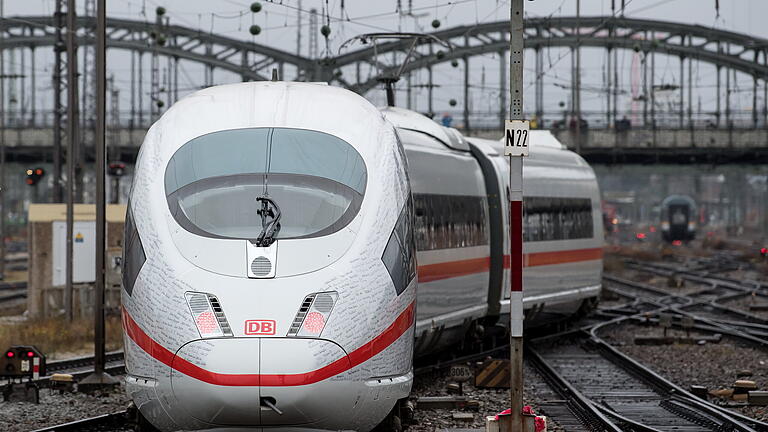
x=261, y=266
x=198, y=303
x=323, y=303
x=220, y=317
x=296, y=324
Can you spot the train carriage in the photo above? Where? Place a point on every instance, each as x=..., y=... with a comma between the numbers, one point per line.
x=275, y=236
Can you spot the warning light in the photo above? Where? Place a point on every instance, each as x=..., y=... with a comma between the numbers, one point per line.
x=30, y=354
x=34, y=176
x=9, y=354
x=615, y=221
x=763, y=251
x=640, y=236
x=314, y=322
x=652, y=229
x=677, y=243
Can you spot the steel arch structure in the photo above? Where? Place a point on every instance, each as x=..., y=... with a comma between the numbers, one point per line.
x=238, y=56
x=722, y=48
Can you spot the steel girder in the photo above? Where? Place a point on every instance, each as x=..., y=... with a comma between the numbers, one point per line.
x=238, y=56
x=722, y=48
x=719, y=47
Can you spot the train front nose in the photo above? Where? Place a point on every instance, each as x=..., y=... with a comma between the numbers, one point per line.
x=262, y=381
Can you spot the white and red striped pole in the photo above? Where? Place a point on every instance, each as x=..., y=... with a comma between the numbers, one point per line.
x=36, y=368
x=516, y=147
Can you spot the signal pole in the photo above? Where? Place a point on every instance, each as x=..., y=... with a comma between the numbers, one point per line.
x=517, y=133
x=99, y=378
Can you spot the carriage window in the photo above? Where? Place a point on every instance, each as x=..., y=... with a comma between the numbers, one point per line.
x=133, y=252
x=315, y=182
x=450, y=221
x=399, y=257
x=549, y=218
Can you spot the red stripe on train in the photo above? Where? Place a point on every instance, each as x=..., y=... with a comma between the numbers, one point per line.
x=401, y=324
x=451, y=269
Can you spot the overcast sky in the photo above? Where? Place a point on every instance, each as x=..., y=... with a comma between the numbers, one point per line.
x=278, y=19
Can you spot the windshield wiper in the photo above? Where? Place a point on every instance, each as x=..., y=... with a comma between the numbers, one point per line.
x=268, y=229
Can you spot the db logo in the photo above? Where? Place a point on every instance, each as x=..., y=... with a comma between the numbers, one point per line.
x=260, y=327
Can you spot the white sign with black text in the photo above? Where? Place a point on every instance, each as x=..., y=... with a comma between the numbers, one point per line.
x=517, y=137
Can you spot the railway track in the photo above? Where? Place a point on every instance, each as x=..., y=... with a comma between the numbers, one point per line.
x=114, y=422
x=629, y=396
x=607, y=390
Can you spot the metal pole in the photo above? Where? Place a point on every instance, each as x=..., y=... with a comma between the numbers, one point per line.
x=645, y=86
x=717, y=99
x=140, y=92
x=682, y=91
x=101, y=107
x=467, y=128
x=577, y=86
x=608, y=72
x=2, y=148
x=539, y=85
x=133, y=89
x=72, y=140
x=32, y=90
x=430, y=97
x=99, y=378
x=728, y=98
x=516, y=58
x=690, y=90
x=653, y=95
x=57, y=108
x=299, y=11
x=502, y=89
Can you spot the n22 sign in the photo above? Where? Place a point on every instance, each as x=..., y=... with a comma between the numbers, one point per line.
x=517, y=137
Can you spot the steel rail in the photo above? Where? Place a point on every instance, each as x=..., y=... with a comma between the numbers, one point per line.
x=93, y=423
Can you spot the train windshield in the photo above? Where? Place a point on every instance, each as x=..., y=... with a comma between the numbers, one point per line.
x=212, y=182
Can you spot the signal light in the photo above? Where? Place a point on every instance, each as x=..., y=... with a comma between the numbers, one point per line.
x=116, y=169
x=763, y=251
x=9, y=354
x=677, y=242
x=314, y=323
x=30, y=354
x=640, y=236
x=34, y=176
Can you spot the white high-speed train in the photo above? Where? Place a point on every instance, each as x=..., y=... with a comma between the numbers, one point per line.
x=271, y=249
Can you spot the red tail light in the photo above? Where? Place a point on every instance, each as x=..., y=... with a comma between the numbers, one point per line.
x=640, y=236
x=314, y=322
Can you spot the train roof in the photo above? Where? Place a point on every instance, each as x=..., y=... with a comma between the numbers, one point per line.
x=678, y=199
x=323, y=108
x=546, y=149
x=411, y=120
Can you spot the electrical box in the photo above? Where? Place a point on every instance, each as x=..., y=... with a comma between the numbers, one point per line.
x=83, y=252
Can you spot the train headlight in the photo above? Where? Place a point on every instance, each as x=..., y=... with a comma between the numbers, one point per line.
x=665, y=226
x=208, y=315
x=313, y=314
x=691, y=226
